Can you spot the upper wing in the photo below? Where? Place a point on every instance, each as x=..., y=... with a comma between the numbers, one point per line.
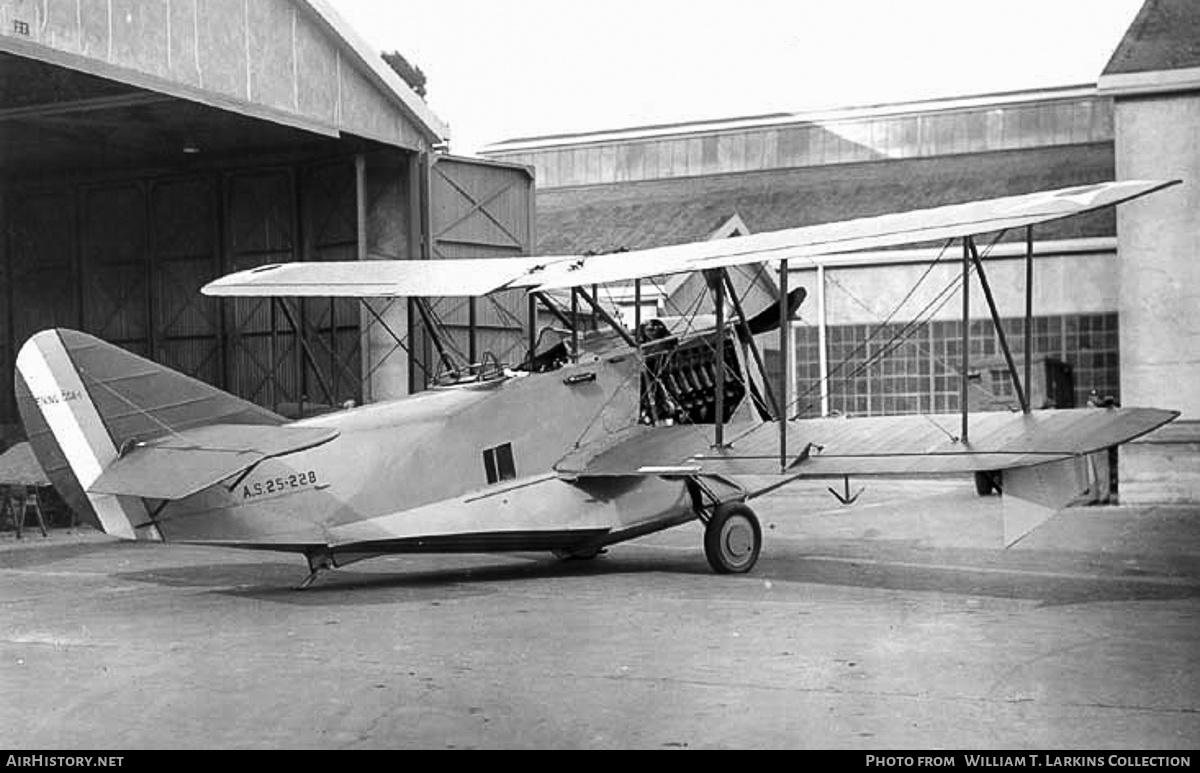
x=473, y=277
x=376, y=278
x=891, y=230
x=885, y=445
x=184, y=463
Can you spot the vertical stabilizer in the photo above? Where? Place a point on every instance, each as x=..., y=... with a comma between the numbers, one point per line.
x=68, y=417
x=83, y=400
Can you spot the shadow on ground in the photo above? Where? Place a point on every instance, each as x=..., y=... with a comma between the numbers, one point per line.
x=976, y=573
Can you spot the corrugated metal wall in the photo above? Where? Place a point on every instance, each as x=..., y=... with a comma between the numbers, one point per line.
x=818, y=143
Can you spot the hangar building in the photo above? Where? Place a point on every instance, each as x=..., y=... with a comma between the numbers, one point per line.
x=1115, y=309
x=147, y=148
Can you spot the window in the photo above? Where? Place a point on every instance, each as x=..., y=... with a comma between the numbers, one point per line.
x=1002, y=384
x=498, y=464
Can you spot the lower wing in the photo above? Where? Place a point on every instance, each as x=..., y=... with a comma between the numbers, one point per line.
x=899, y=446
x=1043, y=455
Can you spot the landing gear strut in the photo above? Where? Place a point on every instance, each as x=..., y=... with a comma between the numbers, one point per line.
x=732, y=539
x=318, y=561
x=583, y=555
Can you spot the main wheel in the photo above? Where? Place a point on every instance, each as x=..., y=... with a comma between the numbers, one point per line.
x=985, y=483
x=732, y=539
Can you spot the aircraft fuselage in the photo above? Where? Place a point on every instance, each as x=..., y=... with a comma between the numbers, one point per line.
x=463, y=468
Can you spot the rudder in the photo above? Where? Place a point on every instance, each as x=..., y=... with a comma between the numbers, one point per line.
x=83, y=400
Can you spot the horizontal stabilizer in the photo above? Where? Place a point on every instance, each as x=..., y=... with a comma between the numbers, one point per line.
x=184, y=463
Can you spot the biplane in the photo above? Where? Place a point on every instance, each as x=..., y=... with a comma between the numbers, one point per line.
x=601, y=439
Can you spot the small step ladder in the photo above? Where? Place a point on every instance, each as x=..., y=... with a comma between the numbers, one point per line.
x=16, y=501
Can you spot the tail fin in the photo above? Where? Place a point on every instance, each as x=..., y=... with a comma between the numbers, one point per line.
x=83, y=401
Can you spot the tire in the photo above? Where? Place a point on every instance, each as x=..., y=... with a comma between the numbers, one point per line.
x=985, y=483
x=732, y=539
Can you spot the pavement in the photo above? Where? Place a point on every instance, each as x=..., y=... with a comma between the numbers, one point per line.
x=899, y=623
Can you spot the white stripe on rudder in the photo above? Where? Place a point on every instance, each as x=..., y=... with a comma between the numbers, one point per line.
x=68, y=410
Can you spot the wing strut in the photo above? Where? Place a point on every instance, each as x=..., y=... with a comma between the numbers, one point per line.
x=608, y=320
x=574, y=325
x=717, y=284
x=423, y=308
x=531, y=309
x=1020, y=385
x=568, y=323
x=1029, y=315
x=785, y=326
x=964, y=382
x=991, y=301
x=649, y=388
x=744, y=325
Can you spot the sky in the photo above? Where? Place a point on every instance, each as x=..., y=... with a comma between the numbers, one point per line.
x=504, y=69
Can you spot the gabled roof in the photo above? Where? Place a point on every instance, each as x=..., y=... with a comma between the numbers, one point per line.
x=378, y=70
x=605, y=218
x=293, y=63
x=826, y=116
x=1165, y=35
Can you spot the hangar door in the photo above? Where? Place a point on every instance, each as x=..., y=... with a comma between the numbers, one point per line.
x=477, y=209
x=292, y=355
x=125, y=260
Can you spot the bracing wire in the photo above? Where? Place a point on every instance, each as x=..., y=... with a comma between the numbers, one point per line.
x=879, y=328
x=689, y=317
x=927, y=313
